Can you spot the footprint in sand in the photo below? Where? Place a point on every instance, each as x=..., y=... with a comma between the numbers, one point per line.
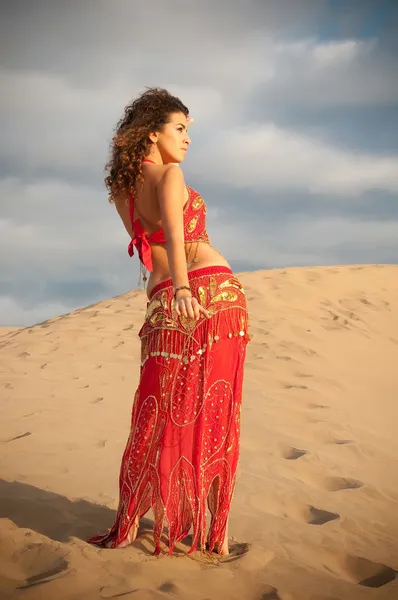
x=117, y=345
x=361, y=571
x=270, y=593
x=40, y=563
x=300, y=512
x=168, y=588
x=315, y=405
x=360, y=451
x=19, y=437
x=118, y=591
x=334, y=484
x=317, y=516
x=293, y=453
x=289, y=386
x=342, y=442
x=331, y=483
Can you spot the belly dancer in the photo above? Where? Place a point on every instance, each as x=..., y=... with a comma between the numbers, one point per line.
x=182, y=451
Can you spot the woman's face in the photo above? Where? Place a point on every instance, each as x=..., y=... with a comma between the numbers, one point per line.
x=173, y=141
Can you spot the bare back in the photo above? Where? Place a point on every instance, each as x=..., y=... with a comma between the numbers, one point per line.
x=147, y=208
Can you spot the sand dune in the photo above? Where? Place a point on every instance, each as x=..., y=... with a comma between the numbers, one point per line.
x=317, y=492
x=6, y=330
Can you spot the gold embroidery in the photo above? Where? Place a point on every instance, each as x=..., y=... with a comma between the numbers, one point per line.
x=231, y=283
x=202, y=295
x=187, y=323
x=170, y=324
x=243, y=321
x=192, y=224
x=177, y=374
x=151, y=307
x=212, y=286
x=226, y=296
x=156, y=318
x=164, y=300
x=197, y=203
x=232, y=301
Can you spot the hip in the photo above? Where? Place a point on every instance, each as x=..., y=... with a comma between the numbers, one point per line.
x=206, y=256
x=211, y=278
x=169, y=335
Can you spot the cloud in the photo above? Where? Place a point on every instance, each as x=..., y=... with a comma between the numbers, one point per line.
x=294, y=141
x=54, y=126
x=334, y=52
x=92, y=40
x=270, y=156
x=16, y=315
x=73, y=252
x=341, y=73
x=307, y=240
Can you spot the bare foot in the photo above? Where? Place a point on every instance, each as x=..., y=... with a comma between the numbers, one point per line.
x=222, y=549
x=130, y=537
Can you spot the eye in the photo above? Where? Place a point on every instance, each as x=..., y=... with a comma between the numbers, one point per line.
x=180, y=129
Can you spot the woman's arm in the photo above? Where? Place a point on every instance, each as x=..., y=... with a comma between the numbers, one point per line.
x=171, y=202
x=124, y=213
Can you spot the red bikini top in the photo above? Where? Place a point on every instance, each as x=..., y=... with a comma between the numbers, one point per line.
x=194, y=228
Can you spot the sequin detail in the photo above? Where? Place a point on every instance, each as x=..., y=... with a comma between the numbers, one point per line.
x=183, y=449
x=194, y=232
x=192, y=224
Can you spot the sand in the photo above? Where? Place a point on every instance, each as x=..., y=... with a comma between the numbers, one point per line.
x=317, y=490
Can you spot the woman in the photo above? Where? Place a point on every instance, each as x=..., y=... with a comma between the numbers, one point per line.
x=183, y=447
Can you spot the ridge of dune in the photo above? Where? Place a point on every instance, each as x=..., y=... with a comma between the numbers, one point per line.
x=317, y=489
x=7, y=330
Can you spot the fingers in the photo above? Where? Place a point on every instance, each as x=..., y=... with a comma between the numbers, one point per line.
x=190, y=308
x=204, y=312
x=182, y=306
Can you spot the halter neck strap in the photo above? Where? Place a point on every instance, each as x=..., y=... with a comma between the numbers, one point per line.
x=148, y=160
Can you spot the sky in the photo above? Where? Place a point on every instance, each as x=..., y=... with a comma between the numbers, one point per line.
x=294, y=144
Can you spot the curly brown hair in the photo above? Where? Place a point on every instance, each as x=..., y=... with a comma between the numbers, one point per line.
x=130, y=144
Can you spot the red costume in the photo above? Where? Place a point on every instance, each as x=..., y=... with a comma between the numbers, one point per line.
x=183, y=446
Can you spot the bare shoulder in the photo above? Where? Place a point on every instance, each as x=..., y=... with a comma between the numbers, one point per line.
x=171, y=174
x=171, y=186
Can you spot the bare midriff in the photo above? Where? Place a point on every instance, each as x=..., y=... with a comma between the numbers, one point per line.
x=205, y=256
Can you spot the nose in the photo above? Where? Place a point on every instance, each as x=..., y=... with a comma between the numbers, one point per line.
x=187, y=139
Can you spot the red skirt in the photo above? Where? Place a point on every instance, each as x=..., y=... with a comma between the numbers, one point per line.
x=183, y=447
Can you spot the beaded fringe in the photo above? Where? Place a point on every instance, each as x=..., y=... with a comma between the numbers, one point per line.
x=183, y=448
x=189, y=346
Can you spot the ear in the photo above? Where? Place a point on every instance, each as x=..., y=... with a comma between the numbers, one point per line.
x=154, y=137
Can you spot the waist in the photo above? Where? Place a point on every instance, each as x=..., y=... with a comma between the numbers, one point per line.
x=200, y=272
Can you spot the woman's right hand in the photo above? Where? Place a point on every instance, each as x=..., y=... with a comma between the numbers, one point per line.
x=189, y=307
